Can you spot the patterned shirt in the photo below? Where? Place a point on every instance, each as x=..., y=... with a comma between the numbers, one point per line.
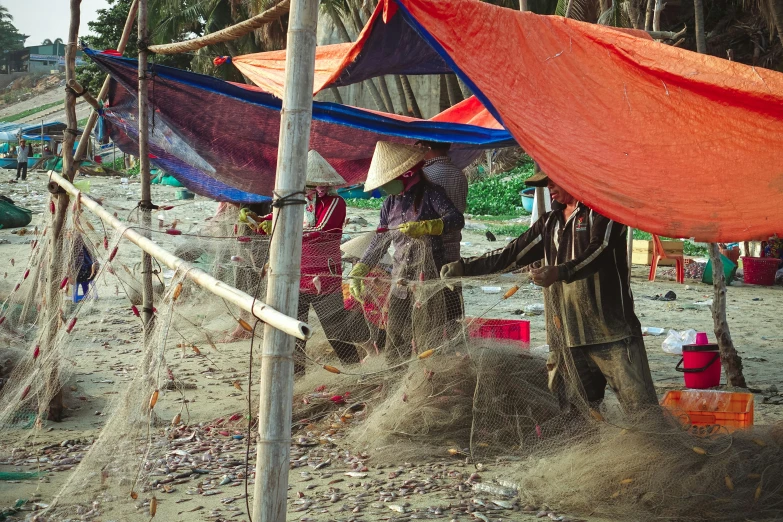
x=414, y=259
x=591, y=302
x=21, y=154
x=442, y=172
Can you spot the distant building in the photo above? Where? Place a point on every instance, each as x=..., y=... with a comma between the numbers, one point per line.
x=37, y=59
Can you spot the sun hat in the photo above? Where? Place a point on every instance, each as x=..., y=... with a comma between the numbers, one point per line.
x=539, y=179
x=390, y=161
x=320, y=173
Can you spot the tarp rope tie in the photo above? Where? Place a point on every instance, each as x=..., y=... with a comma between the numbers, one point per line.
x=220, y=60
x=284, y=201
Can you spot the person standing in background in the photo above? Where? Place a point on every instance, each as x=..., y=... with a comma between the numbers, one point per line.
x=441, y=171
x=21, y=160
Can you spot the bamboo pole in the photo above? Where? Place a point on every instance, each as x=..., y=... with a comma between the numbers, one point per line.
x=60, y=201
x=277, y=364
x=126, y=32
x=244, y=301
x=145, y=205
x=225, y=35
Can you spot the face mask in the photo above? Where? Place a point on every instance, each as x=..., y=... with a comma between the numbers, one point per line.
x=394, y=187
x=322, y=191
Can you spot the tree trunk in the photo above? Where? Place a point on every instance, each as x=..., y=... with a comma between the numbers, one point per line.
x=730, y=359
x=343, y=32
x=776, y=8
x=701, y=38
x=648, y=15
x=406, y=86
x=466, y=92
x=336, y=94
x=443, y=100
x=732, y=363
x=455, y=95
x=659, y=5
x=385, y=95
x=338, y=23
x=406, y=108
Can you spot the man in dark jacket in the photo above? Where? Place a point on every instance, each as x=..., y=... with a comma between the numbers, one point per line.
x=588, y=301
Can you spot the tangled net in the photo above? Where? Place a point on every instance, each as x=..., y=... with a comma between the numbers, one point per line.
x=179, y=411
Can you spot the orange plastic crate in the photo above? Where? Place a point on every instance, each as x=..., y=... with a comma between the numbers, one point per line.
x=706, y=408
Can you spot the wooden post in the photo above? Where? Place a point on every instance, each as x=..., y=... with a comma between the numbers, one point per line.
x=126, y=32
x=60, y=200
x=730, y=359
x=701, y=38
x=277, y=364
x=629, y=247
x=144, y=170
x=732, y=362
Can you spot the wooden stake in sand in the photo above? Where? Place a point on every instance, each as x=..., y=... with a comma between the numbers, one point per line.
x=60, y=202
x=145, y=205
x=732, y=363
x=277, y=363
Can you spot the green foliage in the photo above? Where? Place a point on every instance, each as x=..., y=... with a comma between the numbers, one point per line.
x=502, y=231
x=10, y=38
x=374, y=203
x=106, y=32
x=29, y=112
x=499, y=195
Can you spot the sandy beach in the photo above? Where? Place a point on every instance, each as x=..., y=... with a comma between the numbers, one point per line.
x=436, y=489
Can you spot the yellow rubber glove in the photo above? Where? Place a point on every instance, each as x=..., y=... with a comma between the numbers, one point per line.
x=266, y=226
x=357, y=275
x=416, y=229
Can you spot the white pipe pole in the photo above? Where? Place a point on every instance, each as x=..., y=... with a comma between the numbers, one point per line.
x=277, y=364
x=246, y=302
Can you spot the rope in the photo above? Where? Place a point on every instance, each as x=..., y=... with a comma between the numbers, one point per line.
x=224, y=35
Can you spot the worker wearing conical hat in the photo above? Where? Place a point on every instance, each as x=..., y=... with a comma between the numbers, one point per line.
x=413, y=219
x=321, y=282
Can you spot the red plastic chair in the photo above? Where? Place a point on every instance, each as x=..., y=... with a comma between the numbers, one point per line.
x=659, y=253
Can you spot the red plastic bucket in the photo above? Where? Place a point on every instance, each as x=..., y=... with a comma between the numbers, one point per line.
x=701, y=365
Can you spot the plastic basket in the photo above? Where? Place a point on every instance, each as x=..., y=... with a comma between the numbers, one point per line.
x=506, y=329
x=760, y=270
x=703, y=410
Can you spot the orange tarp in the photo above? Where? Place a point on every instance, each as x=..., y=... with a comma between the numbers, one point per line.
x=267, y=70
x=663, y=139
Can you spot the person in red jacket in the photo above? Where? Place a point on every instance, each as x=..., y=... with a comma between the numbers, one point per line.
x=321, y=283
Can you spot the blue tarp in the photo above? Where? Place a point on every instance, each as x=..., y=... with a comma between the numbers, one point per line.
x=29, y=131
x=219, y=139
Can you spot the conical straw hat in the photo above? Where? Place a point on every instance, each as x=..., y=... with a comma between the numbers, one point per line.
x=320, y=173
x=390, y=161
x=356, y=247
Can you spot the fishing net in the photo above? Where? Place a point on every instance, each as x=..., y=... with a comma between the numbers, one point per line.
x=416, y=370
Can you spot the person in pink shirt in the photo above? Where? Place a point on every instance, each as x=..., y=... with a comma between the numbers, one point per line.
x=320, y=286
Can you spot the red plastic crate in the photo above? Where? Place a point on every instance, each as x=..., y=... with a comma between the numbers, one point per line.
x=506, y=329
x=704, y=408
